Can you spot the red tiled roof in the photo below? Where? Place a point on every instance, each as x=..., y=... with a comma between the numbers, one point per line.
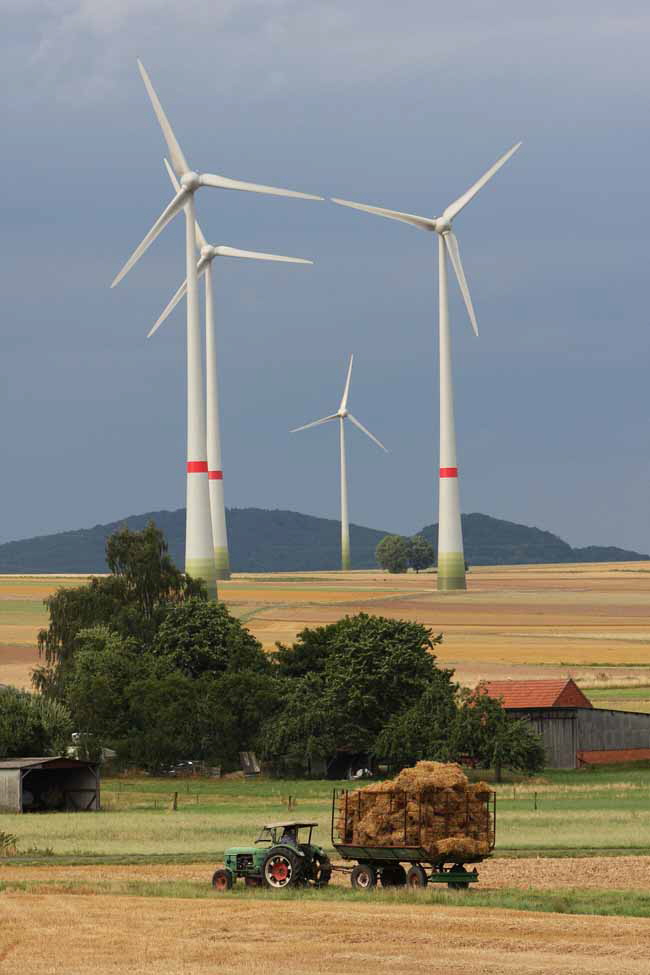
x=563, y=693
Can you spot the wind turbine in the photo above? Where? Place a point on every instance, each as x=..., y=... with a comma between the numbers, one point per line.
x=208, y=253
x=343, y=414
x=451, y=558
x=199, y=556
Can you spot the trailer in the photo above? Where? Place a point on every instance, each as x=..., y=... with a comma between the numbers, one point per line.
x=385, y=863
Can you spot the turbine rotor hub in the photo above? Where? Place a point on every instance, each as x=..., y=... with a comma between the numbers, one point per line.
x=442, y=226
x=343, y=414
x=190, y=181
x=208, y=252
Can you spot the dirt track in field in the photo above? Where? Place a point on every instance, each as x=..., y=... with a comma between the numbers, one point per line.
x=539, y=873
x=53, y=933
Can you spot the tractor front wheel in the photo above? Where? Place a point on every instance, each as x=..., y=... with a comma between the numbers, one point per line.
x=364, y=877
x=222, y=880
x=281, y=869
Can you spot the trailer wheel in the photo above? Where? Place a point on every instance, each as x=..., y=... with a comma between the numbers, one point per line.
x=393, y=875
x=363, y=877
x=222, y=880
x=416, y=877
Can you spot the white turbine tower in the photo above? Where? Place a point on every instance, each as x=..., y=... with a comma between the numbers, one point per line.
x=199, y=556
x=343, y=414
x=451, y=558
x=215, y=467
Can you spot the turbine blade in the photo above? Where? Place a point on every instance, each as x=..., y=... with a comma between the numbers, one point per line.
x=168, y=214
x=315, y=423
x=200, y=239
x=179, y=162
x=454, y=208
x=454, y=254
x=367, y=432
x=169, y=309
x=223, y=251
x=425, y=223
x=224, y=183
x=346, y=391
x=201, y=269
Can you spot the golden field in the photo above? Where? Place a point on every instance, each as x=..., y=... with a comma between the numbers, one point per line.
x=588, y=620
x=52, y=932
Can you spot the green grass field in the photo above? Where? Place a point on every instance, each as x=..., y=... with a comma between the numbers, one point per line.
x=621, y=698
x=618, y=903
x=604, y=810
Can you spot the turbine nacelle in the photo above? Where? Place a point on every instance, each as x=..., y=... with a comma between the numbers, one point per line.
x=190, y=181
x=442, y=225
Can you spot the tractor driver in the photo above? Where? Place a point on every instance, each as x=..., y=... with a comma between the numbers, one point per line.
x=289, y=836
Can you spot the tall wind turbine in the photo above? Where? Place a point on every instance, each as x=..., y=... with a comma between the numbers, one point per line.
x=208, y=253
x=451, y=558
x=199, y=556
x=343, y=414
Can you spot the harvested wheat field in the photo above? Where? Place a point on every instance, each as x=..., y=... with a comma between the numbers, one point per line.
x=589, y=620
x=109, y=933
x=539, y=873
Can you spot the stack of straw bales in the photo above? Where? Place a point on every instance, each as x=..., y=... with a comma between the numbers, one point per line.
x=431, y=805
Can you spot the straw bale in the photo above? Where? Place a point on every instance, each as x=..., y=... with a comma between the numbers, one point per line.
x=431, y=805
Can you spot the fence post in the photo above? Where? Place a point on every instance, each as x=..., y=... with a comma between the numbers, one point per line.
x=535, y=799
x=175, y=802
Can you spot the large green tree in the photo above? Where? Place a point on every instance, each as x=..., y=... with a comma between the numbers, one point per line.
x=344, y=682
x=205, y=638
x=132, y=601
x=422, y=554
x=392, y=553
x=30, y=725
x=487, y=735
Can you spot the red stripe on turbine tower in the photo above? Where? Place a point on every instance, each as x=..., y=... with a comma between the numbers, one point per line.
x=215, y=475
x=448, y=472
x=197, y=467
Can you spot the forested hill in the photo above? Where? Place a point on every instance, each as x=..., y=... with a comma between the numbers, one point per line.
x=267, y=541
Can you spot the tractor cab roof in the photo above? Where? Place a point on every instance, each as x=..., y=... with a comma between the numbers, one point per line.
x=295, y=823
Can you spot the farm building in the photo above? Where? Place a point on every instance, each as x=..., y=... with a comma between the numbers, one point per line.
x=55, y=784
x=574, y=732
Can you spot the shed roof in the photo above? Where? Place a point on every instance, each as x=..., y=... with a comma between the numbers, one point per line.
x=53, y=761
x=561, y=693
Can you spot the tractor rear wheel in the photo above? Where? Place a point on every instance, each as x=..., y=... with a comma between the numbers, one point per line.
x=364, y=877
x=393, y=876
x=281, y=868
x=222, y=880
x=416, y=877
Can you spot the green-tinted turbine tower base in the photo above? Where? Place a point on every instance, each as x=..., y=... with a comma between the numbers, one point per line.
x=451, y=571
x=203, y=569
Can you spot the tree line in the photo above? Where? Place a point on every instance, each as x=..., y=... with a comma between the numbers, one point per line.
x=139, y=661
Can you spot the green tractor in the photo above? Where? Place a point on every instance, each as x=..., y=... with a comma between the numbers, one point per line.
x=281, y=857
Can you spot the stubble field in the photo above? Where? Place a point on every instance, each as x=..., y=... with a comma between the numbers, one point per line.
x=587, y=620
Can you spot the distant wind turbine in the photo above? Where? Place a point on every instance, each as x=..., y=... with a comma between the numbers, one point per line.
x=199, y=557
x=341, y=415
x=451, y=558
x=208, y=253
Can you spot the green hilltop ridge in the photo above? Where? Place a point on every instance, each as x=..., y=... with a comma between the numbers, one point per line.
x=286, y=541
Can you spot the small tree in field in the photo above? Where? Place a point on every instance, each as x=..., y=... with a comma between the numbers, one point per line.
x=392, y=553
x=422, y=554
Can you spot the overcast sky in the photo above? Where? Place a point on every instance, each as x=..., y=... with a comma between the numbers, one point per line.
x=397, y=104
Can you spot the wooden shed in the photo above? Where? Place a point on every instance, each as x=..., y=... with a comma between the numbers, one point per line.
x=48, y=784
